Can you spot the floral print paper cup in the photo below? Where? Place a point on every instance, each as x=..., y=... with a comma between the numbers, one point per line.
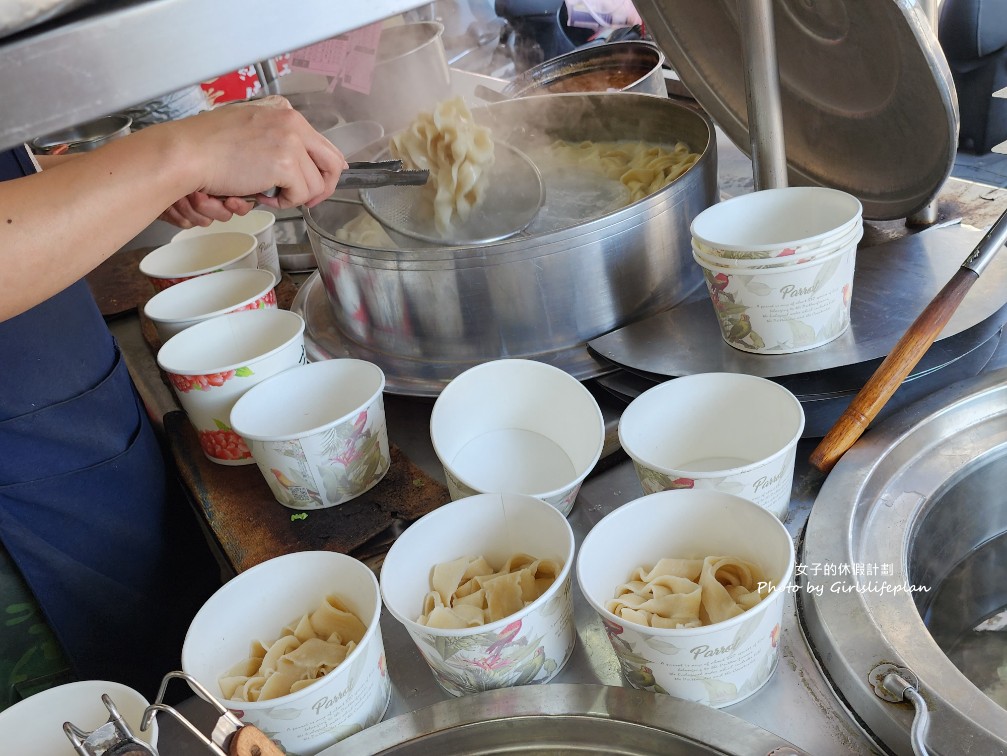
x=183, y=259
x=726, y=432
x=318, y=432
x=213, y=363
x=256, y=606
x=719, y=664
x=528, y=647
x=258, y=223
x=517, y=426
x=204, y=297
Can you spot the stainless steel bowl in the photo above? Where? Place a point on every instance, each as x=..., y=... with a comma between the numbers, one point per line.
x=86, y=136
x=630, y=66
x=529, y=296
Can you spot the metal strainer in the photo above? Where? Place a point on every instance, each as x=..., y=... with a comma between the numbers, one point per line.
x=514, y=194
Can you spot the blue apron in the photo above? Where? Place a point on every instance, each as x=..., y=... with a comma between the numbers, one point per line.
x=87, y=510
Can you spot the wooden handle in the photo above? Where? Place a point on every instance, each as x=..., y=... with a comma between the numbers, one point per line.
x=889, y=376
x=251, y=741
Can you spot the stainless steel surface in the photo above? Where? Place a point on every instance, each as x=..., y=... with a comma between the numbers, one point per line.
x=86, y=136
x=906, y=690
x=113, y=737
x=611, y=56
x=411, y=75
x=364, y=175
x=513, y=196
x=919, y=498
x=537, y=294
x=892, y=283
x=114, y=55
x=323, y=340
x=991, y=244
x=867, y=98
x=567, y=719
x=762, y=94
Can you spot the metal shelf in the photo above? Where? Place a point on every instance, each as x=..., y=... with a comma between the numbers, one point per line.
x=113, y=55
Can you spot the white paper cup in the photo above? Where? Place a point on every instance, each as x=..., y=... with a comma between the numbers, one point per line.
x=255, y=606
x=517, y=426
x=801, y=218
x=176, y=308
x=528, y=647
x=35, y=725
x=317, y=432
x=718, y=664
x=726, y=432
x=258, y=223
x=786, y=257
x=187, y=258
x=213, y=363
x=783, y=310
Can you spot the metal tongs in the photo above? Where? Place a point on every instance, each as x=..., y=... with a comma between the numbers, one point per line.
x=365, y=175
x=230, y=736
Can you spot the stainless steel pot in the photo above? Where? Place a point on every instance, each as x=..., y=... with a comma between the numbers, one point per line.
x=410, y=74
x=529, y=296
x=630, y=66
x=84, y=137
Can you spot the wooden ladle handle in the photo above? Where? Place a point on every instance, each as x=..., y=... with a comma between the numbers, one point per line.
x=251, y=741
x=892, y=371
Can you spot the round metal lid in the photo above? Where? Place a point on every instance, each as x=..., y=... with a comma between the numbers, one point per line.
x=567, y=719
x=868, y=103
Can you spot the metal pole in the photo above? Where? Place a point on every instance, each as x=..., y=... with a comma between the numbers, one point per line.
x=762, y=87
x=927, y=215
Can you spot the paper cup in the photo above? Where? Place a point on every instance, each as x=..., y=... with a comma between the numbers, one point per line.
x=187, y=258
x=178, y=307
x=800, y=218
x=786, y=257
x=317, y=432
x=258, y=223
x=35, y=725
x=725, y=432
x=213, y=363
x=517, y=426
x=528, y=647
x=255, y=606
x=783, y=310
x=720, y=664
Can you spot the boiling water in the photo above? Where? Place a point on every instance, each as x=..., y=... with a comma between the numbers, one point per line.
x=515, y=461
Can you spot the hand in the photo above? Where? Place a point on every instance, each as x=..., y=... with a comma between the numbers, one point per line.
x=243, y=149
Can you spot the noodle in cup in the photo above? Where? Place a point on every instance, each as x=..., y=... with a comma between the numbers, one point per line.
x=256, y=606
x=727, y=432
x=213, y=363
x=318, y=432
x=719, y=664
x=517, y=426
x=183, y=259
x=258, y=223
x=530, y=646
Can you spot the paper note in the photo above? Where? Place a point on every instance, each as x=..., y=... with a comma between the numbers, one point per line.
x=349, y=58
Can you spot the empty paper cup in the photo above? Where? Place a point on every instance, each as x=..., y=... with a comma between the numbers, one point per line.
x=213, y=363
x=35, y=725
x=517, y=426
x=726, y=432
x=527, y=647
x=258, y=223
x=783, y=258
x=718, y=664
x=783, y=310
x=256, y=606
x=176, y=308
x=798, y=218
x=187, y=258
x=317, y=432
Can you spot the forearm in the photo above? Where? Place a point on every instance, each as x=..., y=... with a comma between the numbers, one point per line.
x=58, y=225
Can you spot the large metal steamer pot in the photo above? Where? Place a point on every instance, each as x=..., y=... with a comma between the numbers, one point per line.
x=530, y=296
